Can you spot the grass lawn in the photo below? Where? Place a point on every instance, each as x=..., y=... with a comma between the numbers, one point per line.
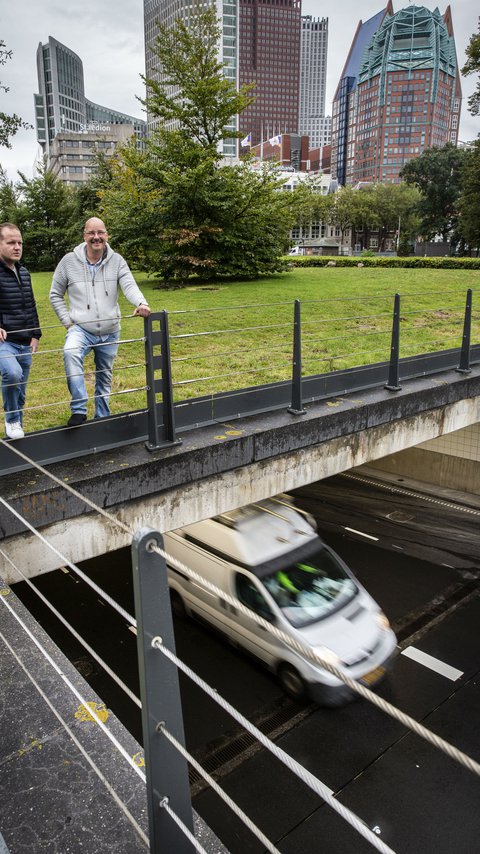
x=235, y=335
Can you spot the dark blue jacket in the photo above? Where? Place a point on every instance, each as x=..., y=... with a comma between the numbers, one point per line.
x=18, y=311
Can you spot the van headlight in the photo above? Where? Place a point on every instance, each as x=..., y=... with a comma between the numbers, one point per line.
x=383, y=621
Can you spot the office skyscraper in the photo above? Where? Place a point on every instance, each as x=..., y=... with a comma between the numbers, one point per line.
x=167, y=11
x=260, y=43
x=399, y=94
x=313, y=80
x=269, y=56
x=61, y=107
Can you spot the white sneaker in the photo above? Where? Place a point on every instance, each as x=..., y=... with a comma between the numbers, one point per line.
x=14, y=430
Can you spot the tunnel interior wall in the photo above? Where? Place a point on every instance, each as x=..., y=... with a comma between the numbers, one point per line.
x=451, y=461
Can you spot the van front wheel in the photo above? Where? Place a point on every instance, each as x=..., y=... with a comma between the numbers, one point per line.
x=291, y=682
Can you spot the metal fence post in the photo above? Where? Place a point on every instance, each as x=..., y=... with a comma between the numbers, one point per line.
x=464, y=366
x=392, y=383
x=157, y=358
x=166, y=768
x=296, y=407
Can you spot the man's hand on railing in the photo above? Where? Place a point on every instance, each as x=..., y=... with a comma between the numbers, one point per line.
x=3, y=335
x=142, y=310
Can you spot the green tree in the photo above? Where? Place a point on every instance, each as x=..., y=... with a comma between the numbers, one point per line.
x=469, y=200
x=87, y=196
x=437, y=174
x=8, y=199
x=346, y=210
x=176, y=208
x=393, y=208
x=46, y=215
x=9, y=124
x=193, y=92
x=472, y=66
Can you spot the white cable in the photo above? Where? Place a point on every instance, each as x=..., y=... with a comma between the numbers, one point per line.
x=78, y=744
x=164, y=804
x=309, y=779
x=220, y=792
x=71, y=687
x=308, y=652
x=108, y=599
x=74, y=632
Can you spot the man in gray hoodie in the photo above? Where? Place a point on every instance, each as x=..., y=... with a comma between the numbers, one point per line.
x=90, y=276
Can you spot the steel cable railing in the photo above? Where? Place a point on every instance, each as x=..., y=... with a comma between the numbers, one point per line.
x=84, y=703
x=419, y=729
x=71, y=629
x=295, y=767
x=197, y=363
x=308, y=778
x=308, y=652
x=43, y=371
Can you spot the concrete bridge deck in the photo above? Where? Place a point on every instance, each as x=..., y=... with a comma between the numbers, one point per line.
x=222, y=466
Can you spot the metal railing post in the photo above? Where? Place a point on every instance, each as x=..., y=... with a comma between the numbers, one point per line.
x=464, y=366
x=296, y=407
x=166, y=769
x=160, y=435
x=393, y=383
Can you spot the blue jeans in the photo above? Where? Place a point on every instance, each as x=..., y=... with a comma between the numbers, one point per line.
x=15, y=364
x=78, y=344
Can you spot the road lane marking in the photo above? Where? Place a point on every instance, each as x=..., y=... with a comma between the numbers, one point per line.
x=403, y=491
x=361, y=534
x=432, y=663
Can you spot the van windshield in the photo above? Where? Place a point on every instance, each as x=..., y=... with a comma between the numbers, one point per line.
x=310, y=589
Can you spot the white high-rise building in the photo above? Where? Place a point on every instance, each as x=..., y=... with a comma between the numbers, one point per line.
x=166, y=12
x=313, y=81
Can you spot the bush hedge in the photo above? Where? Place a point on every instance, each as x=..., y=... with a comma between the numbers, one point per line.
x=446, y=263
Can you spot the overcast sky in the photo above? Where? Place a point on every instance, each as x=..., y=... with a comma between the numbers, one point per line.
x=108, y=38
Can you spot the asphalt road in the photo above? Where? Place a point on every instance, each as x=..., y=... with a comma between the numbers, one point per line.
x=419, y=556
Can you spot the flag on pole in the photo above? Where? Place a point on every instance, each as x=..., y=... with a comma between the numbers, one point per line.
x=276, y=140
x=246, y=141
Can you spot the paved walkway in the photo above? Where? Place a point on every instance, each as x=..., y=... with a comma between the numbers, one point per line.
x=64, y=785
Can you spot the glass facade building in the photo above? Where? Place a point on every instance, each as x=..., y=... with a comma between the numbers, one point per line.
x=61, y=105
x=405, y=97
x=313, y=81
x=269, y=56
x=260, y=44
x=167, y=11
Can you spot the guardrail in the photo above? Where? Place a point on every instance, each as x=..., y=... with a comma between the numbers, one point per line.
x=171, y=826
x=307, y=336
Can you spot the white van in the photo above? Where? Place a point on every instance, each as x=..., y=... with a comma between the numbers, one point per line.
x=269, y=557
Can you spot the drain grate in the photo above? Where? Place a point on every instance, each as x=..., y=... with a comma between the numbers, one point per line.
x=220, y=759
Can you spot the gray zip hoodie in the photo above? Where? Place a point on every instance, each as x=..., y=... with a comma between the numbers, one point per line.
x=92, y=301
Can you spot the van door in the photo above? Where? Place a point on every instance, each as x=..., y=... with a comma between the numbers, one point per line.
x=250, y=633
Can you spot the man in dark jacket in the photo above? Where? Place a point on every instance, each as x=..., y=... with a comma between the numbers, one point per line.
x=19, y=328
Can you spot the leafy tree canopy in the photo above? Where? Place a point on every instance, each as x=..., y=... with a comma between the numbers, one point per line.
x=176, y=208
x=469, y=200
x=192, y=91
x=438, y=175
x=9, y=125
x=47, y=216
x=472, y=66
